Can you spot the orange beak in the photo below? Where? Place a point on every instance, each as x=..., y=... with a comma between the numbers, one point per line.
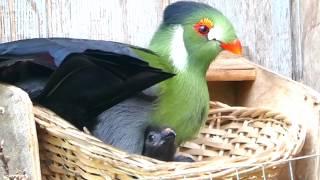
x=234, y=47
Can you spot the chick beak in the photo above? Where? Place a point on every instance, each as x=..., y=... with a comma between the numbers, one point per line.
x=168, y=134
x=234, y=46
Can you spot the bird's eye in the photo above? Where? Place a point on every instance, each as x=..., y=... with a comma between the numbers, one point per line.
x=203, y=26
x=151, y=137
x=203, y=29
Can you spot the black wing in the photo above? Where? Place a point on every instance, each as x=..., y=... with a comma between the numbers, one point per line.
x=29, y=72
x=76, y=78
x=89, y=83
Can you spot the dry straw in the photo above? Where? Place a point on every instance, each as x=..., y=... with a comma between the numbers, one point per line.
x=232, y=142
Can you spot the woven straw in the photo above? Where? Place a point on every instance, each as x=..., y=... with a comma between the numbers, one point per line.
x=233, y=140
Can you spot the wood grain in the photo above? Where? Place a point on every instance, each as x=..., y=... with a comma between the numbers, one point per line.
x=230, y=67
x=18, y=130
x=263, y=25
x=280, y=35
x=310, y=39
x=269, y=28
x=298, y=102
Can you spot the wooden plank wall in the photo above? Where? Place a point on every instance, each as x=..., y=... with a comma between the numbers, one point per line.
x=280, y=35
x=306, y=35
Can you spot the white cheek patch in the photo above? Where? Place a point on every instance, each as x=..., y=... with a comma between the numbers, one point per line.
x=215, y=33
x=178, y=51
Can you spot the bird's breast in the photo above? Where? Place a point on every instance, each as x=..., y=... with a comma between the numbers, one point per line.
x=183, y=106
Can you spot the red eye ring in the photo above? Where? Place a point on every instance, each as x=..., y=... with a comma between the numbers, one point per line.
x=203, y=26
x=203, y=29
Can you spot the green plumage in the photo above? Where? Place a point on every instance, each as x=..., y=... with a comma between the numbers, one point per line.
x=183, y=100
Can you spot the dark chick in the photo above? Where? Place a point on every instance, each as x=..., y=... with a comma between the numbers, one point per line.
x=159, y=143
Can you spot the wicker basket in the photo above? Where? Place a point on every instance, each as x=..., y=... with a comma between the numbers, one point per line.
x=233, y=140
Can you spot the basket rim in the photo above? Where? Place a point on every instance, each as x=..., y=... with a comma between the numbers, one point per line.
x=54, y=124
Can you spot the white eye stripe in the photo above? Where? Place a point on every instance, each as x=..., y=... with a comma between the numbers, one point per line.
x=215, y=33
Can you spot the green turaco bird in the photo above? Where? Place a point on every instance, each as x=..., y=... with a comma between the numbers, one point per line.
x=191, y=36
x=117, y=90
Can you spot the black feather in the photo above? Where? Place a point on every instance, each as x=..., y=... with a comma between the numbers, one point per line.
x=86, y=84
x=60, y=48
x=29, y=72
x=77, y=78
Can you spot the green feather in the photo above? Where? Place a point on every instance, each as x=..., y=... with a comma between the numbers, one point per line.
x=183, y=101
x=154, y=60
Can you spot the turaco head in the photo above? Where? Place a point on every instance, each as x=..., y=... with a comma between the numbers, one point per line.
x=192, y=34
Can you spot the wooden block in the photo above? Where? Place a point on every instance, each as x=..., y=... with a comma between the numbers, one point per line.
x=230, y=67
x=17, y=129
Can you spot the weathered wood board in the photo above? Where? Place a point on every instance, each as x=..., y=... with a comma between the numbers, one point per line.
x=237, y=68
x=306, y=35
x=298, y=102
x=17, y=129
x=276, y=35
